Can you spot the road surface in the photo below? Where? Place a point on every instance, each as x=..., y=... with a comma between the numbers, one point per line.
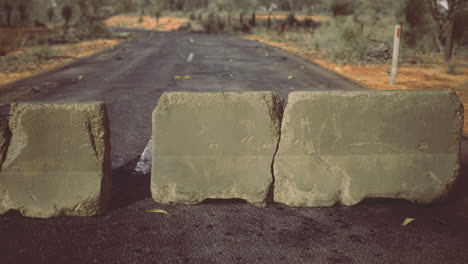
x=130, y=78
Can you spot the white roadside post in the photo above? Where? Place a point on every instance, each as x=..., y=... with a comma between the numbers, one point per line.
x=396, y=50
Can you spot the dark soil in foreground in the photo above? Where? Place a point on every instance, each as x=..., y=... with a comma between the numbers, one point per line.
x=235, y=232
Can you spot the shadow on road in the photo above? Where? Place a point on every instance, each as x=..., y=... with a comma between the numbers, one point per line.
x=460, y=186
x=128, y=186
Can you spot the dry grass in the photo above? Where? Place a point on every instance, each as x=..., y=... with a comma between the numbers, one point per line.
x=12, y=39
x=64, y=54
x=166, y=23
x=429, y=75
x=283, y=15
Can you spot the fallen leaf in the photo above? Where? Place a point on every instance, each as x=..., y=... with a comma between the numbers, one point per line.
x=157, y=211
x=80, y=77
x=407, y=221
x=290, y=77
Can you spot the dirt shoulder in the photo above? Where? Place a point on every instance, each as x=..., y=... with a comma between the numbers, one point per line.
x=430, y=75
x=29, y=61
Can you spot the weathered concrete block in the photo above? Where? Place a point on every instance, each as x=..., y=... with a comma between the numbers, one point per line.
x=5, y=136
x=58, y=161
x=214, y=145
x=345, y=146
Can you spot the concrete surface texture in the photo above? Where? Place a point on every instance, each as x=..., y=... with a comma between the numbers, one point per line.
x=346, y=146
x=5, y=136
x=58, y=160
x=214, y=145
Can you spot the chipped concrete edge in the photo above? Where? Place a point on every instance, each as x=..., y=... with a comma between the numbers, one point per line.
x=5, y=138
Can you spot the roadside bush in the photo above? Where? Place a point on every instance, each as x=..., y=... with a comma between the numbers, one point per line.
x=451, y=69
x=192, y=17
x=93, y=31
x=211, y=27
x=291, y=20
x=44, y=52
x=244, y=28
x=344, y=42
x=309, y=23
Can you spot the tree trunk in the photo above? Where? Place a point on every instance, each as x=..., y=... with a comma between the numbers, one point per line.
x=448, y=45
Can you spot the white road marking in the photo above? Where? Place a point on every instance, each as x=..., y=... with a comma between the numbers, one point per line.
x=144, y=164
x=190, y=57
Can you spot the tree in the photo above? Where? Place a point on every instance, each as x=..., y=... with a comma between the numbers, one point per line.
x=91, y=10
x=23, y=13
x=157, y=15
x=50, y=13
x=95, y=8
x=127, y=5
x=8, y=10
x=67, y=13
x=445, y=20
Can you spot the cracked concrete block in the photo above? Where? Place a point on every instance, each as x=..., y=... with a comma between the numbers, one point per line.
x=214, y=145
x=58, y=162
x=344, y=146
x=5, y=136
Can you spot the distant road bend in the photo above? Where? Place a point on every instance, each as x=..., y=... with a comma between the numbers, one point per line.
x=131, y=77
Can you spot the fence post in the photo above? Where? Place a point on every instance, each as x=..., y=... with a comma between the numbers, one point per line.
x=396, y=51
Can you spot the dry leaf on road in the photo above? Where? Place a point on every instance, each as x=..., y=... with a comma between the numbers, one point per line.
x=407, y=221
x=157, y=211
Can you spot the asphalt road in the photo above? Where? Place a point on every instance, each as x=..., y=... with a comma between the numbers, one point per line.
x=130, y=78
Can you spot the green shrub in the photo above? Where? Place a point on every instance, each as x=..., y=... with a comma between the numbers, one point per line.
x=93, y=31
x=451, y=69
x=291, y=20
x=192, y=16
x=44, y=52
x=244, y=28
x=309, y=23
x=343, y=42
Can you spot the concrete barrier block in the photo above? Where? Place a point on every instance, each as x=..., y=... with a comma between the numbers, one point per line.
x=5, y=136
x=58, y=162
x=214, y=145
x=346, y=146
